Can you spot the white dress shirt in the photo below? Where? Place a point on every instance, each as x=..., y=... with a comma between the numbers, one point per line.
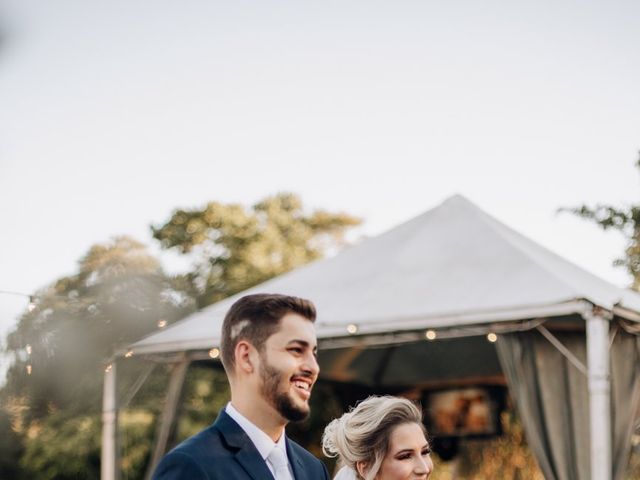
x=261, y=440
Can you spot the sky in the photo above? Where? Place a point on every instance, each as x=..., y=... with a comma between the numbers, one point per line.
x=113, y=114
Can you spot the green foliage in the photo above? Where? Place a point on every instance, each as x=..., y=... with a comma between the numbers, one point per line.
x=205, y=395
x=11, y=447
x=235, y=248
x=118, y=295
x=62, y=447
x=54, y=388
x=137, y=427
x=138, y=418
x=625, y=220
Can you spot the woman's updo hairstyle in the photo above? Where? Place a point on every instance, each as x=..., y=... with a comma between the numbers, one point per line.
x=362, y=434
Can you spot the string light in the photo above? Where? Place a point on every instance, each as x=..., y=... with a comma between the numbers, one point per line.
x=28, y=349
x=29, y=369
x=352, y=328
x=162, y=323
x=108, y=368
x=129, y=354
x=430, y=334
x=214, y=352
x=20, y=294
x=32, y=299
x=492, y=337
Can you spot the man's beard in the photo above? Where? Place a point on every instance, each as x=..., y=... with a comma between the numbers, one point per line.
x=281, y=401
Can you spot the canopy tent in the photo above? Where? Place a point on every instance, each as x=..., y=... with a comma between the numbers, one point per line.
x=457, y=273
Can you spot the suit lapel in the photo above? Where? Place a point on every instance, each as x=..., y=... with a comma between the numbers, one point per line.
x=245, y=451
x=252, y=462
x=299, y=472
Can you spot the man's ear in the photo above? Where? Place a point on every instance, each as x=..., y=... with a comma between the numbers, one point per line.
x=245, y=357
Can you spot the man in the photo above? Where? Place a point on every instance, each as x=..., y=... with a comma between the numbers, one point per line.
x=268, y=351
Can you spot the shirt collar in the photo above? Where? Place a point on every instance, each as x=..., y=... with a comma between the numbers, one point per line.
x=261, y=440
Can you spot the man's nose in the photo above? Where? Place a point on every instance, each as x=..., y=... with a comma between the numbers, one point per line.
x=311, y=364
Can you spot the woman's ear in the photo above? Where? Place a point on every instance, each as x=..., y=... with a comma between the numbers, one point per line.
x=362, y=468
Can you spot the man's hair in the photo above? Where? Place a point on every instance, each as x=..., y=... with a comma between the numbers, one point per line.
x=255, y=318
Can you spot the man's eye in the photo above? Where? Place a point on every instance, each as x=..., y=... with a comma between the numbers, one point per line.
x=295, y=350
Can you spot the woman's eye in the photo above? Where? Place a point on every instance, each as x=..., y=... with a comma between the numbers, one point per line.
x=426, y=451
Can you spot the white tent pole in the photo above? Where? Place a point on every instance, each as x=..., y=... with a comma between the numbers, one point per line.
x=109, y=454
x=599, y=393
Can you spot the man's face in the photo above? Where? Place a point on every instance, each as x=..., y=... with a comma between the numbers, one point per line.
x=289, y=367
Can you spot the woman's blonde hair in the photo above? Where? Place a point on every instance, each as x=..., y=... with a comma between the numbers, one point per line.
x=362, y=434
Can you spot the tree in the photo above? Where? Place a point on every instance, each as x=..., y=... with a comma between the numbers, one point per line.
x=235, y=248
x=10, y=447
x=61, y=345
x=625, y=220
x=118, y=295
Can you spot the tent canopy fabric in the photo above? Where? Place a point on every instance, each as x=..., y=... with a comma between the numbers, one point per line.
x=453, y=265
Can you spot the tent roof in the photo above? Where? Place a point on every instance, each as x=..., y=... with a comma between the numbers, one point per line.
x=453, y=265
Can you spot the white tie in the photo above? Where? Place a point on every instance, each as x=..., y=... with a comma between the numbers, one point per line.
x=278, y=461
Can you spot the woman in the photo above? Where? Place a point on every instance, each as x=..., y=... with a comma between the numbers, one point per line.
x=381, y=438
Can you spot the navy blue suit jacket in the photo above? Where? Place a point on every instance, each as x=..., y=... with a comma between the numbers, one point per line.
x=223, y=451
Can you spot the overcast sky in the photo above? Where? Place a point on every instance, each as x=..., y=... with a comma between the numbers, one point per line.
x=114, y=113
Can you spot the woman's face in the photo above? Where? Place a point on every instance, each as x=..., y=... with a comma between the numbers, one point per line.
x=408, y=456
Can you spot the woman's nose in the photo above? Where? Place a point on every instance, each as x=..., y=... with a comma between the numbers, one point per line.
x=423, y=466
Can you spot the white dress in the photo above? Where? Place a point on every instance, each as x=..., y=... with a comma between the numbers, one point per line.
x=346, y=473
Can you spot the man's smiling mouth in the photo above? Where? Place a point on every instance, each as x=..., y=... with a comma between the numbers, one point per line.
x=303, y=387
